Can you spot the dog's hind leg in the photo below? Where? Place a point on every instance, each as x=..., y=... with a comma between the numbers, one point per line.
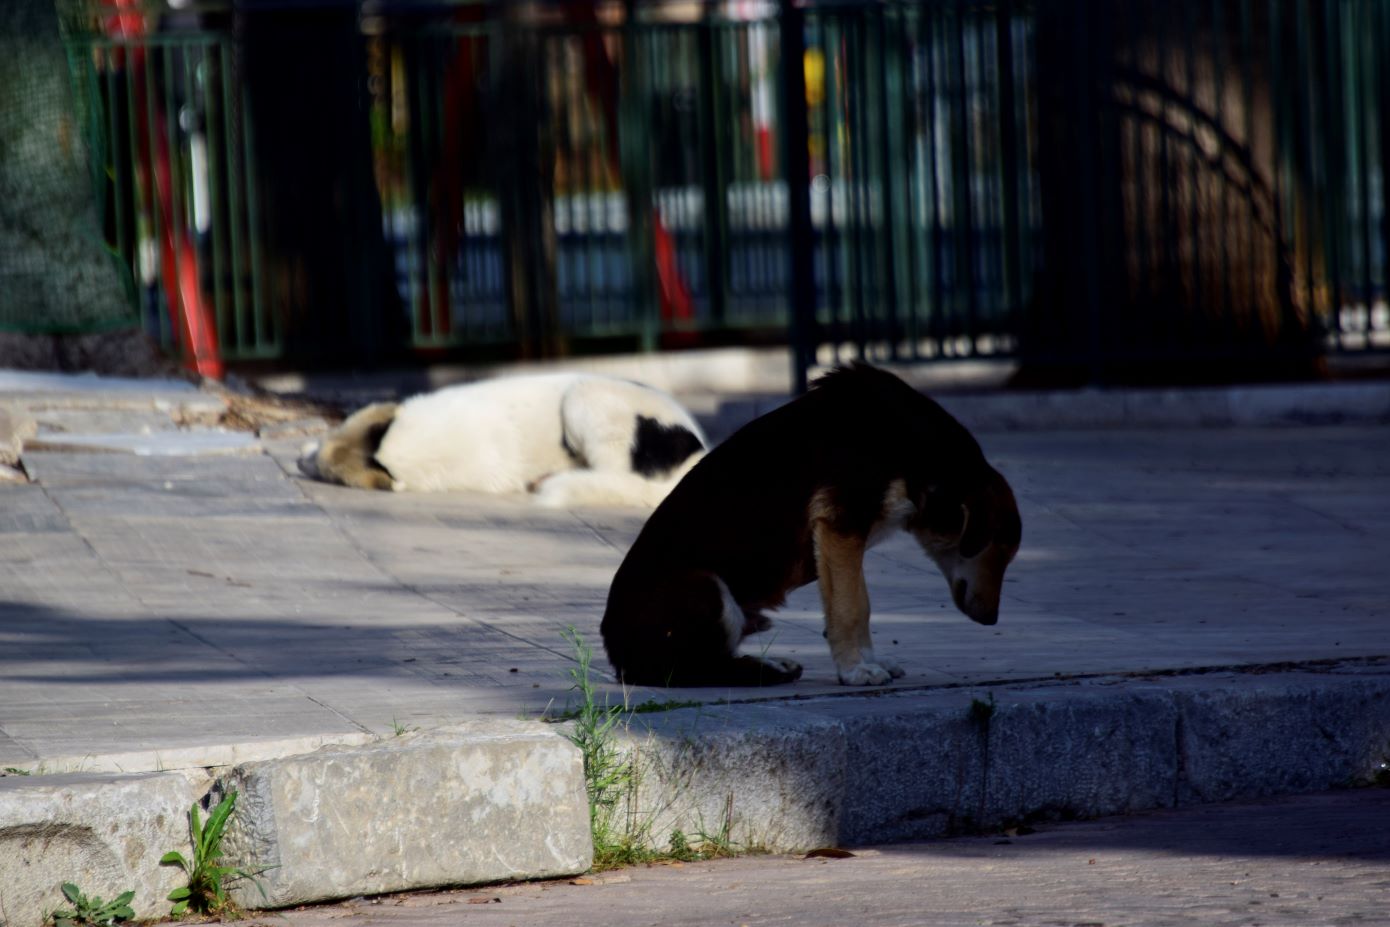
x=684, y=629
x=840, y=569
x=754, y=621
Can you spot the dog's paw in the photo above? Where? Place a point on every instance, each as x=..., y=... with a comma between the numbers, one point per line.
x=866, y=674
x=755, y=622
x=894, y=669
x=783, y=665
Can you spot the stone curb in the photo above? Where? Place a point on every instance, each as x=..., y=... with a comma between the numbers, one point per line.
x=727, y=387
x=1094, y=409
x=104, y=832
x=502, y=801
x=485, y=803
x=1194, y=407
x=912, y=766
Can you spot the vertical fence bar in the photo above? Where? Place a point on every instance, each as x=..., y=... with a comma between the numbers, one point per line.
x=1218, y=57
x=121, y=180
x=795, y=147
x=1008, y=161
x=936, y=262
x=1333, y=141
x=1362, y=72
x=234, y=200
x=714, y=138
x=963, y=219
x=1381, y=96
x=1194, y=310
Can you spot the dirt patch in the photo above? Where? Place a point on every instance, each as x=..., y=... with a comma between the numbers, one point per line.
x=124, y=353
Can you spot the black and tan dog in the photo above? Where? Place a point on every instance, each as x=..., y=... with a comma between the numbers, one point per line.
x=799, y=495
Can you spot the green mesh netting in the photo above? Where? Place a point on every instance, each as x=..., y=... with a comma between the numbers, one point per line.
x=56, y=273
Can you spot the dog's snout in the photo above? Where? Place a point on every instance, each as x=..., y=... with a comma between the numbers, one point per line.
x=986, y=616
x=977, y=608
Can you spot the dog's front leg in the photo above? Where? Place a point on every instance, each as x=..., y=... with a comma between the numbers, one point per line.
x=840, y=568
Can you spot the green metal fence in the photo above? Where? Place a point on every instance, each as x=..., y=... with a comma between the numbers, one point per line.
x=1108, y=190
x=178, y=195
x=1099, y=185
x=628, y=186
x=922, y=177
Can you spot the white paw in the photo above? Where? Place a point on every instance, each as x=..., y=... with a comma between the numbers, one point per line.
x=894, y=670
x=783, y=664
x=865, y=674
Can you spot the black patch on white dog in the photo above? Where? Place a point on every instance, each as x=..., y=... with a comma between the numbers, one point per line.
x=657, y=448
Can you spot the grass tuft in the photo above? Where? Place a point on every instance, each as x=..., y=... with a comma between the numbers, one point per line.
x=208, y=879
x=621, y=835
x=92, y=911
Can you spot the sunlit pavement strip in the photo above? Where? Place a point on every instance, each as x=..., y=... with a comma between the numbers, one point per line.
x=202, y=609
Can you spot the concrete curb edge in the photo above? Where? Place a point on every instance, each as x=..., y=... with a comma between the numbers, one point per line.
x=500, y=801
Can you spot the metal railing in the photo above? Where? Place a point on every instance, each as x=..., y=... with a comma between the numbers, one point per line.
x=1115, y=190
x=1105, y=186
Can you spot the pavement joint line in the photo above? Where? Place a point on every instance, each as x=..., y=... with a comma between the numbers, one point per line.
x=412, y=588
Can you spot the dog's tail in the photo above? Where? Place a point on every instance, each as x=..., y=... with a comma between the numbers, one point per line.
x=584, y=487
x=348, y=454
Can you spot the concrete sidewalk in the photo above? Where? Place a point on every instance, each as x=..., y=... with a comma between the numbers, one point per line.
x=178, y=602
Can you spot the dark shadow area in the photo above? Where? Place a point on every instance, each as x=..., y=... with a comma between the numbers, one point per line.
x=189, y=648
x=1343, y=824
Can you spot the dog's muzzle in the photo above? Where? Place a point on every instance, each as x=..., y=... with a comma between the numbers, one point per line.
x=985, y=613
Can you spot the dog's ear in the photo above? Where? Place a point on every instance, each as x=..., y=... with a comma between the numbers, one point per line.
x=942, y=512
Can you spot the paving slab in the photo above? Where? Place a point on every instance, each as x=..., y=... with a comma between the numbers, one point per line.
x=1143, y=550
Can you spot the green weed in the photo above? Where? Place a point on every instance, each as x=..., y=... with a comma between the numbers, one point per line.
x=92, y=912
x=709, y=845
x=610, y=777
x=621, y=835
x=208, y=878
x=982, y=712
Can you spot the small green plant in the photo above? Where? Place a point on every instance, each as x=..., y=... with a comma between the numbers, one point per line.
x=610, y=777
x=652, y=706
x=982, y=712
x=398, y=729
x=706, y=845
x=13, y=771
x=719, y=845
x=680, y=847
x=208, y=879
x=92, y=911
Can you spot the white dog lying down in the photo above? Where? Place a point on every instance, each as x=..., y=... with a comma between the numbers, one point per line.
x=571, y=438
